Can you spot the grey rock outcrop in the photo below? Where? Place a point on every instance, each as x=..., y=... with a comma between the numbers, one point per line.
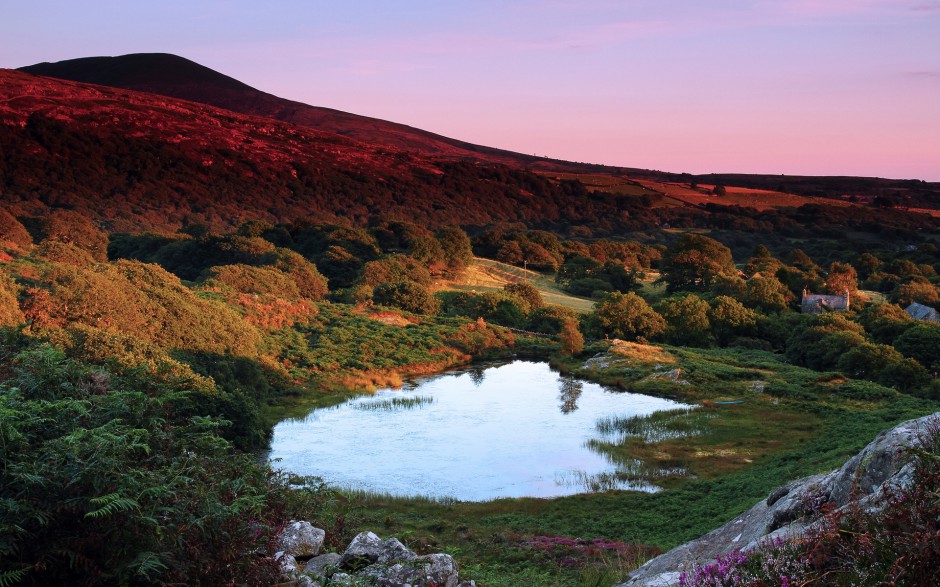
x=369, y=560
x=301, y=539
x=788, y=511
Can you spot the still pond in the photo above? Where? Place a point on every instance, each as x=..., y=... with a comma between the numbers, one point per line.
x=511, y=430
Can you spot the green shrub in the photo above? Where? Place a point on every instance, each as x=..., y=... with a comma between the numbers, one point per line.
x=252, y=280
x=407, y=295
x=107, y=480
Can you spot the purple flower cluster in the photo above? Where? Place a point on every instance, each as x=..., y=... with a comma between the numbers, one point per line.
x=771, y=563
x=725, y=571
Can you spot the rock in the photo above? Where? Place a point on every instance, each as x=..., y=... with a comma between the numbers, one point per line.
x=441, y=570
x=364, y=550
x=394, y=550
x=301, y=539
x=342, y=580
x=323, y=565
x=789, y=510
x=288, y=562
x=305, y=581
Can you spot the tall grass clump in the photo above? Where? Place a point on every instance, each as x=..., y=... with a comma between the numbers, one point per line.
x=658, y=426
x=395, y=404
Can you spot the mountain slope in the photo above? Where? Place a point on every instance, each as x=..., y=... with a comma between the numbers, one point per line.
x=137, y=160
x=174, y=76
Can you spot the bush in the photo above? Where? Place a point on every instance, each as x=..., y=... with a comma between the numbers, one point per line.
x=141, y=300
x=627, y=316
x=250, y=280
x=407, y=295
x=921, y=342
x=12, y=230
x=70, y=227
x=687, y=320
x=10, y=313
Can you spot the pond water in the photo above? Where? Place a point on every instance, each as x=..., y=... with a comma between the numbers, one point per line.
x=512, y=430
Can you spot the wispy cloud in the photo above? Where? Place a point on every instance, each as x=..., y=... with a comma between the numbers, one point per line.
x=925, y=74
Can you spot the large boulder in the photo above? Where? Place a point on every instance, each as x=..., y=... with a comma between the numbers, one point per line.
x=301, y=539
x=788, y=511
x=367, y=548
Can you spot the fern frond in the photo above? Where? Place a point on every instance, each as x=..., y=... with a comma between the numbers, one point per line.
x=10, y=578
x=111, y=503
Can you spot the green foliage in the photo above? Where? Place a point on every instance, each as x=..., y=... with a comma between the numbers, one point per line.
x=627, y=316
x=108, y=480
x=456, y=248
x=921, y=342
x=394, y=268
x=60, y=252
x=687, y=320
x=729, y=319
x=527, y=292
x=10, y=313
x=249, y=279
x=885, y=322
x=68, y=226
x=499, y=307
x=766, y=294
x=407, y=295
x=696, y=262
x=144, y=301
x=549, y=319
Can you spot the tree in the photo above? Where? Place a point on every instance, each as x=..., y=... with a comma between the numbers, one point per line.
x=729, y=318
x=695, y=262
x=916, y=290
x=687, y=320
x=407, y=295
x=458, y=252
x=572, y=341
x=627, y=316
x=921, y=342
x=842, y=278
x=528, y=292
x=885, y=322
x=766, y=294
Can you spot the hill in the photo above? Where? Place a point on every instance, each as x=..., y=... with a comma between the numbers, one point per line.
x=140, y=161
x=177, y=77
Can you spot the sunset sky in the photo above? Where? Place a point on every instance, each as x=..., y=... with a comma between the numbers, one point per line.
x=823, y=87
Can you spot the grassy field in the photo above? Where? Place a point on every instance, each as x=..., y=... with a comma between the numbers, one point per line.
x=783, y=422
x=488, y=275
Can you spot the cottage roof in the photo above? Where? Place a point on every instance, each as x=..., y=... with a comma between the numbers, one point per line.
x=922, y=312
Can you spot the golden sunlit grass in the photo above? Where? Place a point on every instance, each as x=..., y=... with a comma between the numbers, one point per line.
x=642, y=353
x=488, y=275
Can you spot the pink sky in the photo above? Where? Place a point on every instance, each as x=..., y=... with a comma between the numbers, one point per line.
x=833, y=87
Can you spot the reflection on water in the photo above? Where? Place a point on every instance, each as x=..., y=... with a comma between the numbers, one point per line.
x=472, y=435
x=571, y=390
x=477, y=375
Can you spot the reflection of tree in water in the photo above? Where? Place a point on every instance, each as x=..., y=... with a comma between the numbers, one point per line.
x=477, y=375
x=571, y=389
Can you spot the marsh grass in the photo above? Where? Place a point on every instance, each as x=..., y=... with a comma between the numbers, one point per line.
x=658, y=426
x=395, y=404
